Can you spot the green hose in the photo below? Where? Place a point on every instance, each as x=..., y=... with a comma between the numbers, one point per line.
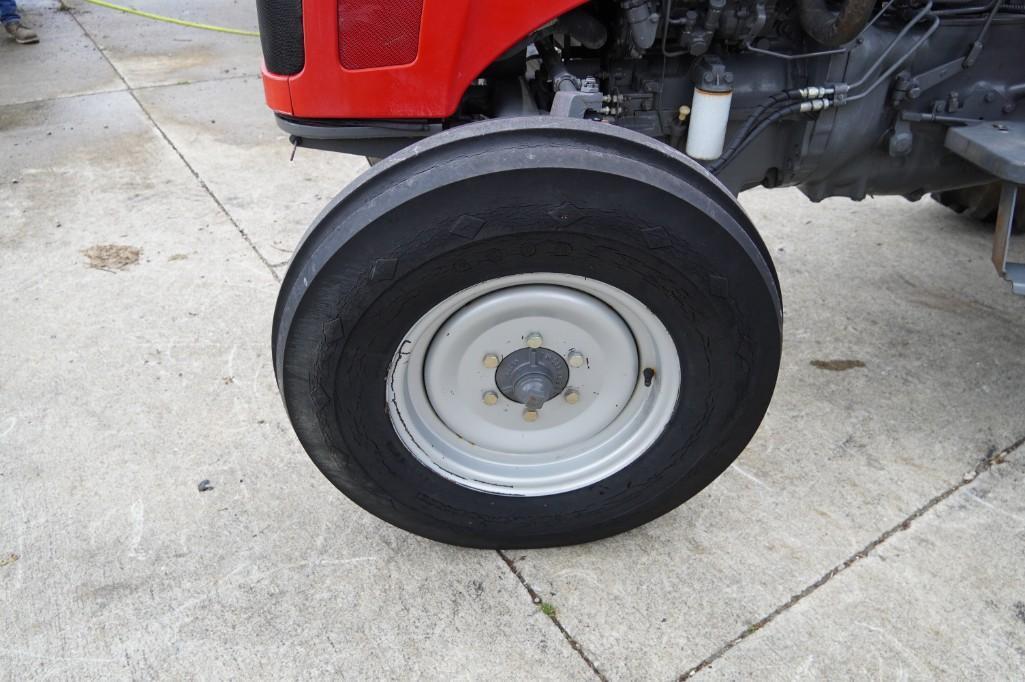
x=172, y=20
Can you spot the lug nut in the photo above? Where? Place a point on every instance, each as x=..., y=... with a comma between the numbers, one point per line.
x=490, y=398
x=530, y=415
x=572, y=396
x=491, y=361
x=534, y=340
x=575, y=359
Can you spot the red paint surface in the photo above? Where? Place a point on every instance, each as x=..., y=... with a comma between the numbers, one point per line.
x=458, y=40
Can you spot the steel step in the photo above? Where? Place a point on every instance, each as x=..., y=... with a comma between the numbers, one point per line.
x=999, y=148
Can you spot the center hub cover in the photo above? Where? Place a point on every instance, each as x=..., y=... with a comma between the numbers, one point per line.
x=532, y=376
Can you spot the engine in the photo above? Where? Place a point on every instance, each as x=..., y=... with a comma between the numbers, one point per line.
x=850, y=98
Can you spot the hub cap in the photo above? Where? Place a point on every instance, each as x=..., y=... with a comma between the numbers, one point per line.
x=532, y=376
x=533, y=384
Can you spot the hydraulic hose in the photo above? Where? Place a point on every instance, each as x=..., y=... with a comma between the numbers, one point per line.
x=756, y=116
x=562, y=79
x=740, y=145
x=832, y=27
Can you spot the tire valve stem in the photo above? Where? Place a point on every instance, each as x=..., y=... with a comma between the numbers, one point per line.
x=649, y=374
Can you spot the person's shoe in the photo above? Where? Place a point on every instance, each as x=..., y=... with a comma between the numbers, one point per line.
x=22, y=34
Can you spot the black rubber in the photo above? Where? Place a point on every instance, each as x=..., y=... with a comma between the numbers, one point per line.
x=281, y=35
x=507, y=197
x=980, y=203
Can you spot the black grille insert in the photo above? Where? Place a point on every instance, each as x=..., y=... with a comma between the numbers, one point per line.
x=281, y=34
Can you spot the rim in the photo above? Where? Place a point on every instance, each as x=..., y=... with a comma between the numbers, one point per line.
x=464, y=385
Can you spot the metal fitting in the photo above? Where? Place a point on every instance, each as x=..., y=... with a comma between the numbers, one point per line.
x=491, y=360
x=815, y=105
x=530, y=415
x=534, y=340
x=575, y=359
x=814, y=92
x=490, y=398
x=572, y=396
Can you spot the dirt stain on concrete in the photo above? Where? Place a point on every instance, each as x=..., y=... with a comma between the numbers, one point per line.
x=112, y=257
x=8, y=560
x=837, y=365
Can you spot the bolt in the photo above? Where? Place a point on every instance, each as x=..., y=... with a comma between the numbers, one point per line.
x=534, y=340
x=491, y=361
x=572, y=396
x=530, y=415
x=575, y=359
x=490, y=398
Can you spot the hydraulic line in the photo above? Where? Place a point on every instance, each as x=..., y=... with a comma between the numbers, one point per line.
x=808, y=106
x=562, y=79
x=770, y=108
x=885, y=76
x=893, y=43
x=989, y=20
x=757, y=122
x=752, y=120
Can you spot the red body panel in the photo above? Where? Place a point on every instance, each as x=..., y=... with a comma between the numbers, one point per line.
x=458, y=40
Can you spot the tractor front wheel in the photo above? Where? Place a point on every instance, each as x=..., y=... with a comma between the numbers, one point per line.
x=528, y=333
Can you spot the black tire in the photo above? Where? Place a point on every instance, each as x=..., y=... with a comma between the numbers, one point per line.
x=980, y=203
x=508, y=197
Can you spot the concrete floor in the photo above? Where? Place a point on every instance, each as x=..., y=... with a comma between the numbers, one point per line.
x=874, y=527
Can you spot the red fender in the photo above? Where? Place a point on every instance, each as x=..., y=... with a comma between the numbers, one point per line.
x=458, y=40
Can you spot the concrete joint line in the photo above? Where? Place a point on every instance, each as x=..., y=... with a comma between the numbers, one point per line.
x=536, y=599
x=988, y=463
x=156, y=126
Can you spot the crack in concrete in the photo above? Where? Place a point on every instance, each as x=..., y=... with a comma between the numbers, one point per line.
x=195, y=174
x=536, y=599
x=986, y=464
x=199, y=81
x=126, y=88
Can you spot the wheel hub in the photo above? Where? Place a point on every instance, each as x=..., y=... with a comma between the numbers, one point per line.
x=533, y=384
x=532, y=376
x=507, y=325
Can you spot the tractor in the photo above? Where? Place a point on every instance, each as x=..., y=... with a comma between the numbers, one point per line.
x=540, y=317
